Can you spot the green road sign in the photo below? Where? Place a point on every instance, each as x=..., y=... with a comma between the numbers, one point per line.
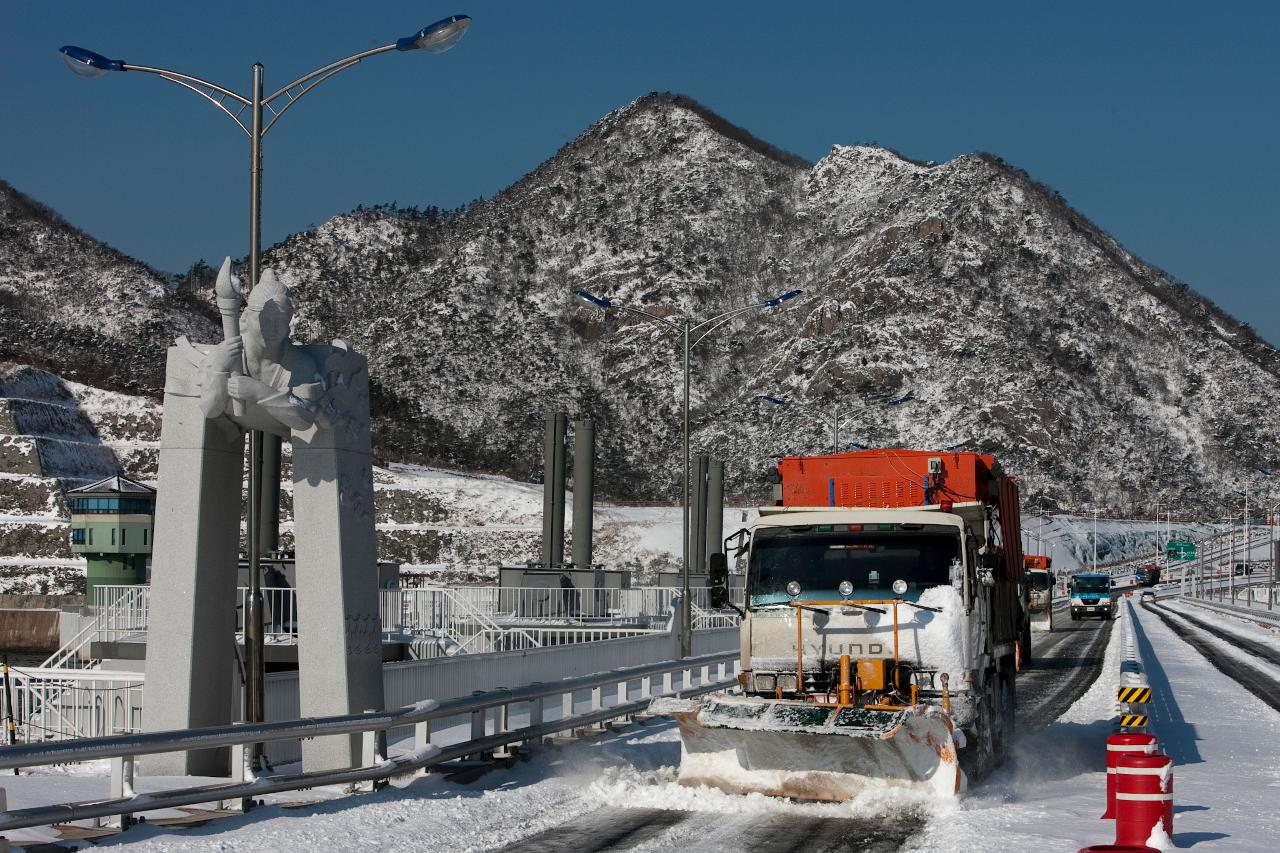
x=1179, y=549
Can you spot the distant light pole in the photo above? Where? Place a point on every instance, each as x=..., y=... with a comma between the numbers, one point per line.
x=436, y=38
x=836, y=414
x=687, y=327
x=1095, y=539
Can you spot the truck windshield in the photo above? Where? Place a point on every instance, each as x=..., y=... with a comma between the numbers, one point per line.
x=1080, y=584
x=819, y=559
x=1039, y=581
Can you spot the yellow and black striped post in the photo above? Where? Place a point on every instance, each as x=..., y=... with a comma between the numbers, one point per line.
x=1133, y=721
x=1133, y=695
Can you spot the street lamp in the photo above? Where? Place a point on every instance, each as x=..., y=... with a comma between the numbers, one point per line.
x=686, y=328
x=435, y=38
x=835, y=415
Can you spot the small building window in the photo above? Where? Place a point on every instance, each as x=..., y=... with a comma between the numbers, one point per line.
x=77, y=536
x=90, y=535
x=144, y=536
x=124, y=533
x=113, y=536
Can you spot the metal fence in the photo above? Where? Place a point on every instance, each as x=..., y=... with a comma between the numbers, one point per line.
x=434, y=621
x=56, y=704
x=547, y=709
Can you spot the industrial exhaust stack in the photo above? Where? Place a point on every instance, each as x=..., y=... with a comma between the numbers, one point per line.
x=584, y=465
x=698, y=517
x=715, y=509
x=553, y=483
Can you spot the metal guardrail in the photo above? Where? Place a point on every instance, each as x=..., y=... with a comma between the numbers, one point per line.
x=377, y=766
x=1255, y=613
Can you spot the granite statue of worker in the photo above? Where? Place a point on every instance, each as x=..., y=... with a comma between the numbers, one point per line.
x=317, y=397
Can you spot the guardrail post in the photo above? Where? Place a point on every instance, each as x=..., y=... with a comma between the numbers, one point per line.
x=373, y=751
x=502, y=725
x=566, y=709
x=421, y=740
x=239, y=771
x=4, y=807
x=666, y=682
x=121, y=788
x=479, y=726
x=535, y=712
x=646, y=686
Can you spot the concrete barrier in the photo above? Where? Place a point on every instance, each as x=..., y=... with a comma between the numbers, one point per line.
x=30, y=623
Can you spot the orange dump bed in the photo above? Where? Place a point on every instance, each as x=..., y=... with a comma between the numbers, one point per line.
x=890, y=477
x=1038, y=561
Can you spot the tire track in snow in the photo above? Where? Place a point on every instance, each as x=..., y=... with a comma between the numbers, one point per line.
x=1253, y=647
x=1079, y=655
x=618, y=829
x=1263, y=686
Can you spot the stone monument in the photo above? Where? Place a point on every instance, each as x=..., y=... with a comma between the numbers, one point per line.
x=317, y=397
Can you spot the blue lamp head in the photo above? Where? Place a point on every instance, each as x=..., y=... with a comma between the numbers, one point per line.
x=778, y=300
x=438, y=37
x=593, y=299
x=86, y=63
x=777, y=401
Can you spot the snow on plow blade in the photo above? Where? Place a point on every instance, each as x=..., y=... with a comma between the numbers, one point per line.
x=798, y=749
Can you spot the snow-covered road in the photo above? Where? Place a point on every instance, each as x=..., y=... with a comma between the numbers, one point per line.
x=618, y=791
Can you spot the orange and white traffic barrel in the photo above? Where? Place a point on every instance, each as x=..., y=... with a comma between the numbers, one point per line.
x=1144, y=797
x=1118, y=745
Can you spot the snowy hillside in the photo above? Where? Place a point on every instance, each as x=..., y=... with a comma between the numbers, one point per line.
x=1021, y=328
x=75, y=305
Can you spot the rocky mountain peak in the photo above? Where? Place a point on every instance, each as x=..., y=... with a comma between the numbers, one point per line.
x=1022, y=328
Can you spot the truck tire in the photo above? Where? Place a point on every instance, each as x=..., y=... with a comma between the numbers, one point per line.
x=1004, y=717
x=978, y=758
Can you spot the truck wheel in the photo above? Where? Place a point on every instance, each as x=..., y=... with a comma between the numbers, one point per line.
x=1004, y=717
x=979, y=757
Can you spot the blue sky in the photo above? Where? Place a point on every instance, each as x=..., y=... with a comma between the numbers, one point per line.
x=1158, y=120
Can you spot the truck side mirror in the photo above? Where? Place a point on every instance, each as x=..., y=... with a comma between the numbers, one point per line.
x=718, y=579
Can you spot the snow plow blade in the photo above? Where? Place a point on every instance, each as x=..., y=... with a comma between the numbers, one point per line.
x=805, y=751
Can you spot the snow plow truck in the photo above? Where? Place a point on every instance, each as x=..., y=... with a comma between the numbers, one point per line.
x=1040, y=590
x=885, y=620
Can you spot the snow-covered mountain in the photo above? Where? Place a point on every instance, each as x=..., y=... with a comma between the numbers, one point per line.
x=1021, y=328
x=75, y=305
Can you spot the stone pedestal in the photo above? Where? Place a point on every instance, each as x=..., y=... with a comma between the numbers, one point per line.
x=191, y=660
x=339, y=624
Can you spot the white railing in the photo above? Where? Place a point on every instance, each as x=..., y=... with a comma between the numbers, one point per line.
x=57, y=704
x=498, y=718
x=434, y=621
x=279, y=613
x=121, y=612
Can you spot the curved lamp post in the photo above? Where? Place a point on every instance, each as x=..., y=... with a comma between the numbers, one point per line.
x=836, y=417
x=686, y=328
x=248, y=113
